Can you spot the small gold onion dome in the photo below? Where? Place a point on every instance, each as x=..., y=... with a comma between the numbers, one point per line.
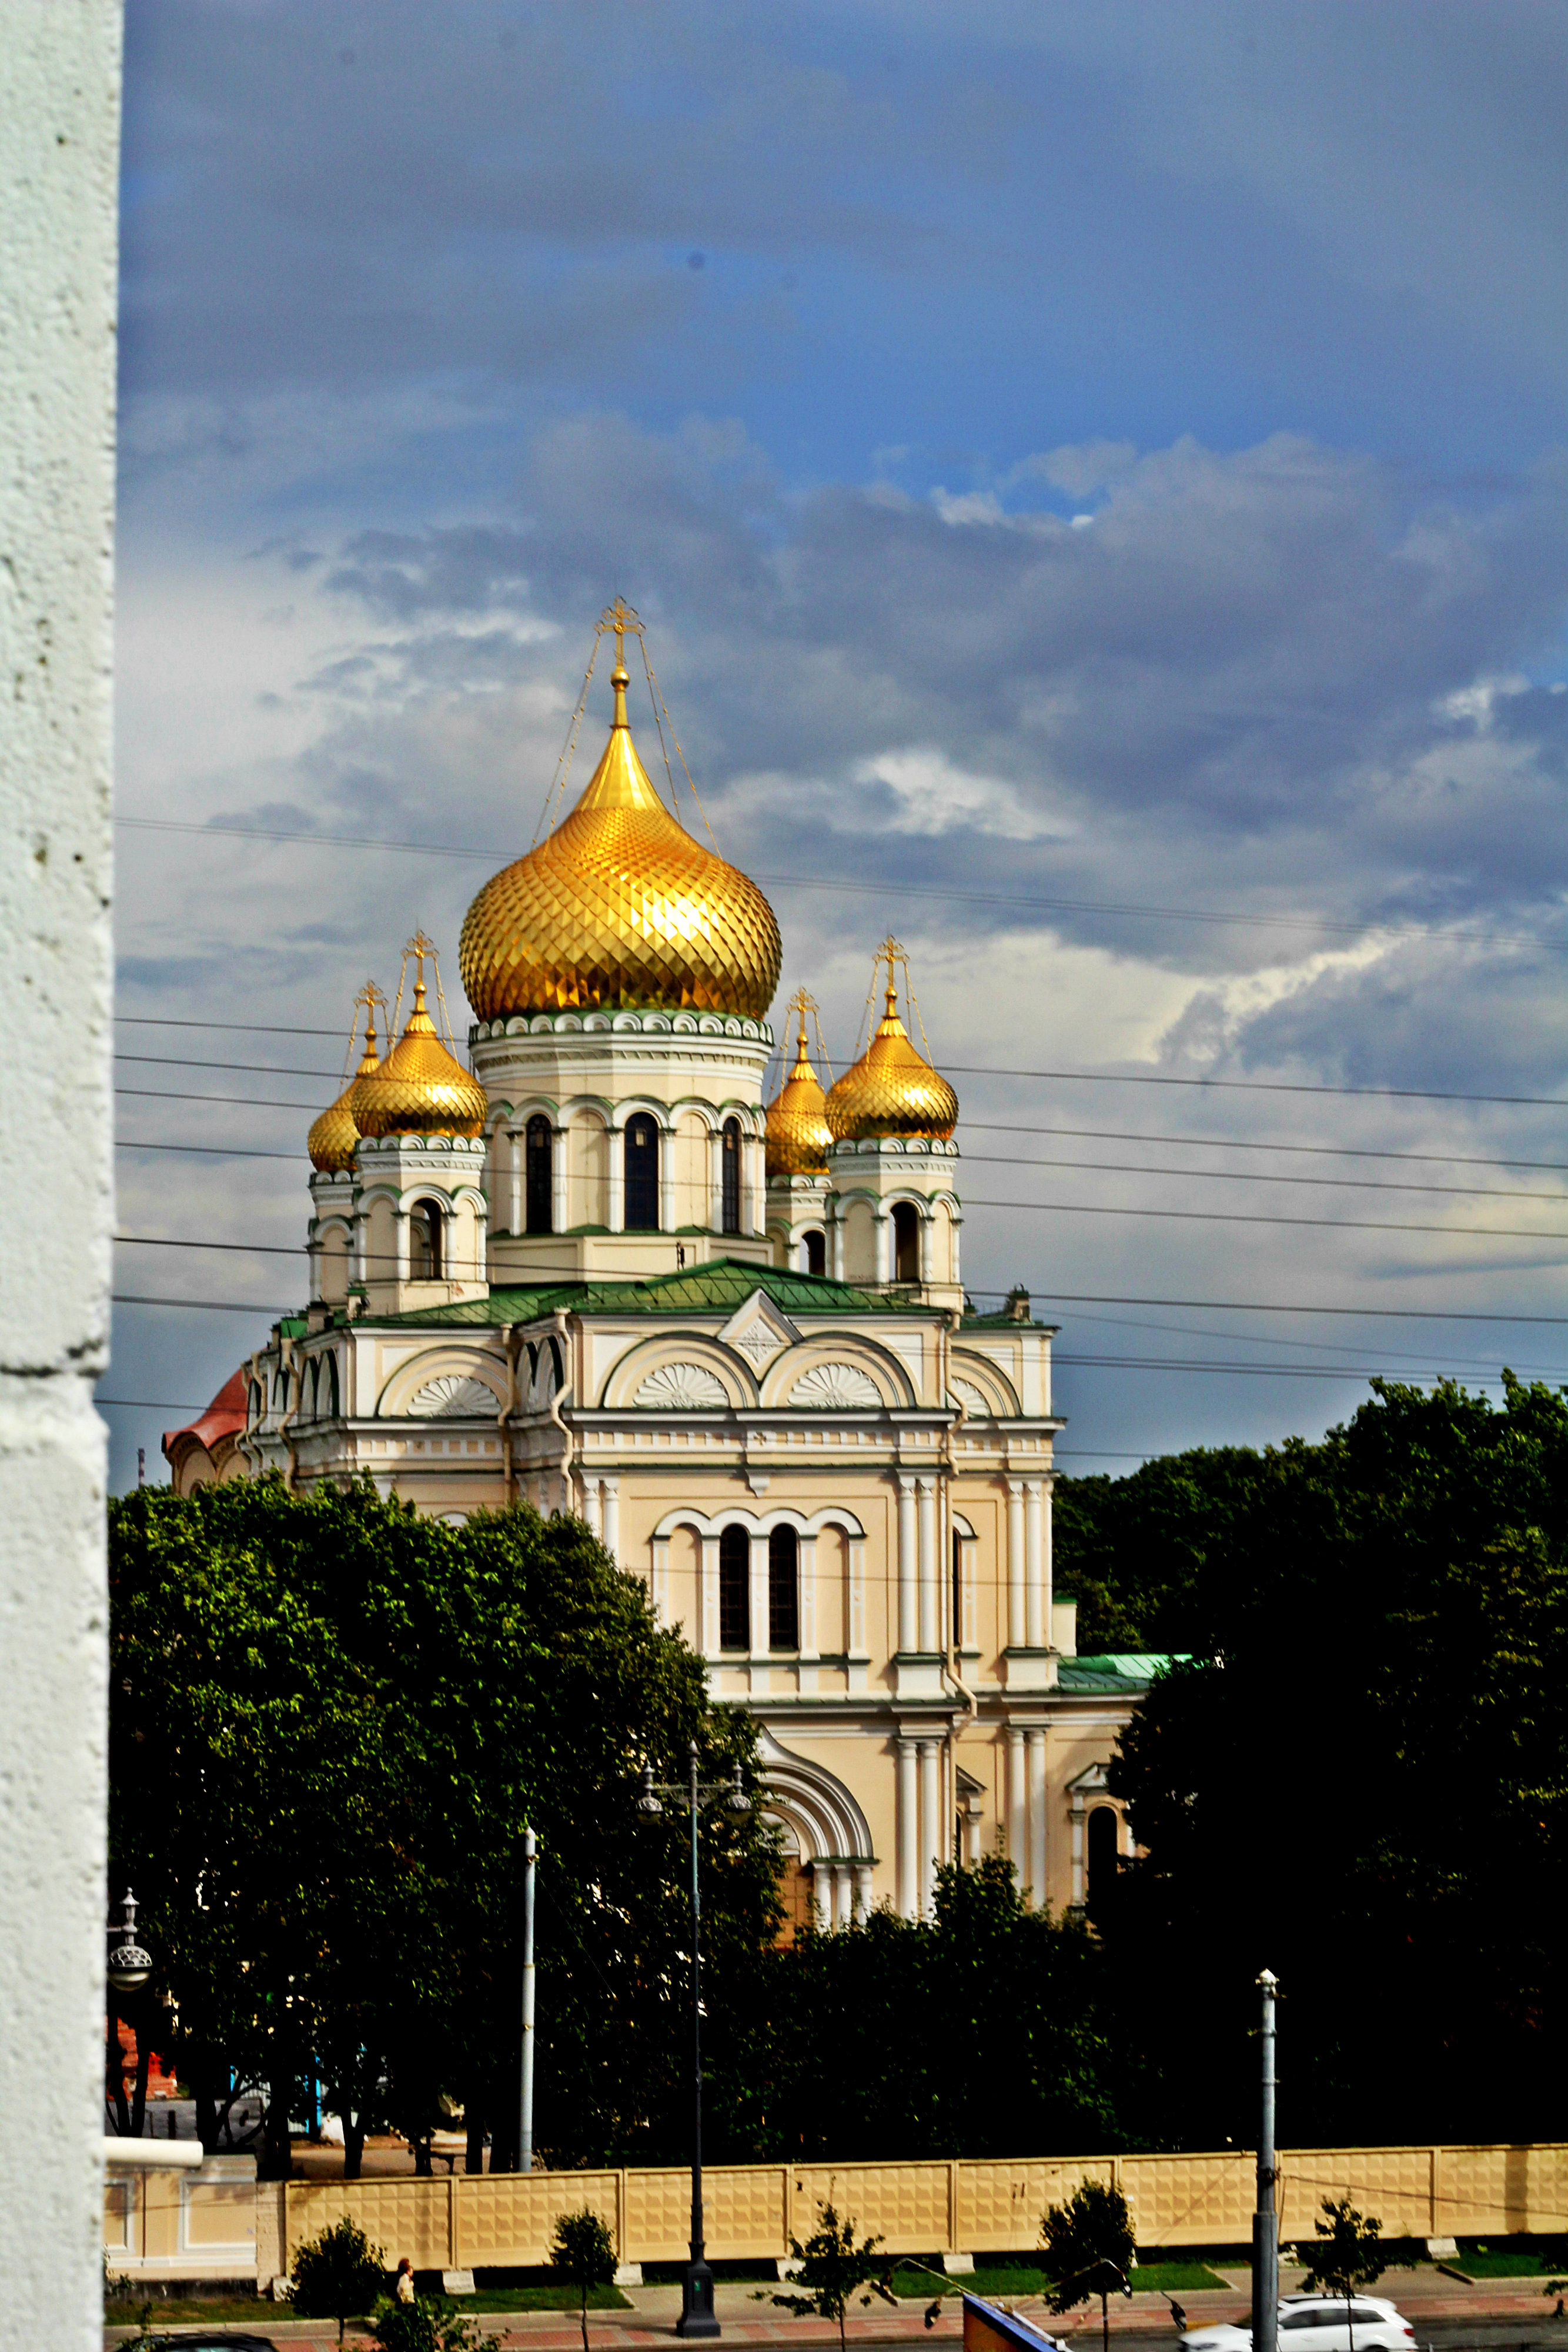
x=420, y=1088
x=892, y=1089
x=619, y=906
x=334, y=1135
x=799, y=1136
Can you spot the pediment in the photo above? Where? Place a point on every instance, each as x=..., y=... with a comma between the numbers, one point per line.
x=758, y=1330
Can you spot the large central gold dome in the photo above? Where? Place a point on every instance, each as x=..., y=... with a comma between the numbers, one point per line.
x=619, y=906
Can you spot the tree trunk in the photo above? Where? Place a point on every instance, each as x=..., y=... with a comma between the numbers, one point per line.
x=421, y=2148
x=474, y=2123
x=278, y=2155
x=143, y=2061
x=353, y=2145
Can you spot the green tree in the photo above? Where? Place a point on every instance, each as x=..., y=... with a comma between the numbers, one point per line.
x=330, y=1720
x=430, y=2324
x=1368, y=1754
x=583, y=2252
x=1089, y=2246
x=337, y=2275
x=1347, y=2255
x=831, y=2269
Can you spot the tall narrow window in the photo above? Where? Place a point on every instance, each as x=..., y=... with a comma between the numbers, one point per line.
x=729, y=1159
x=425, y=1242
x=735, y=1590
x=539, y=1171
x=333, y=1407
x=641, y=1175
x=783, y=1589
x=816, y=1253
x=1102, y=1853
x=957, y=1589
x=905, y=1242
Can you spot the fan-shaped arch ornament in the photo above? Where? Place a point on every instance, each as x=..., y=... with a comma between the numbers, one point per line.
x=836, y=1388
x=683, y=1388
x=453, y=1396
x=975, y=1402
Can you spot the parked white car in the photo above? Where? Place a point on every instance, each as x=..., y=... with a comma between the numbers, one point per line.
x=1317, y=2323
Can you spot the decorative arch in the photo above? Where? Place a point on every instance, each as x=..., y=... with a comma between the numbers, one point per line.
x=664, y=1349
x=825, y=1817
x=859, y=1352
x=401, y=1388
x=977, y=1374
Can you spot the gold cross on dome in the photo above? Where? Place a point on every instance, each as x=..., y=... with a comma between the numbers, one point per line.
x=420, y=947
x=621, y=616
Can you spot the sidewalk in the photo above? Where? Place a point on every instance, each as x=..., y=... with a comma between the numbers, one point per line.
x=1426, y=2298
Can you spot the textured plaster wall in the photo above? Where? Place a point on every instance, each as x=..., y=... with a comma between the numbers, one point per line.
x=60, y=131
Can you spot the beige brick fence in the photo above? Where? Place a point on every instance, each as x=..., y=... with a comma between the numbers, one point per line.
x=505, y=2220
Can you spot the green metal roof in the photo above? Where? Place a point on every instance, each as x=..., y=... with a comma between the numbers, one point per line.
x=1116, y=1670
x=717, y=1289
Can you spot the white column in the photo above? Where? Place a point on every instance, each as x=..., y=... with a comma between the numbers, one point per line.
x=807, y=1558
x=616, y=1219
x=716, y=1180
x=659, y=1580
x=1018, y=1806
x=611, y=1489
x=926, y=1224
x=669, y=1216
x=1037, y=1627
x=880, y=1221
x=928, y=1595
x=707, y=1598
x=855, y=1641
x=932, y=1845
x=1047, y=1577
x=863, y=1889
x=835, y=1242
x=908, y=1603
x=908, y=1829
x=759, y=1596
x=1016, y=1622
x=843, y=1895
x=1077, y=1851
x=590, y=1503
x=754, y=1205
x=1036, y=1815
x=953, y=1222
x=516, y=1142
x=400, y=1240
x=559, y=1180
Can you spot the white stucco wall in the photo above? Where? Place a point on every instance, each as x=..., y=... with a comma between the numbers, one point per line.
x=59, y=135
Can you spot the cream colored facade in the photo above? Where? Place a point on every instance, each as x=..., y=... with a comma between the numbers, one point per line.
x=837, y=1483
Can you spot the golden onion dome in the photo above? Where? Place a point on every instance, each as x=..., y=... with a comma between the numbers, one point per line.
x=334, y=1135
x=619, y=906
x=420, y=1088
x=799, y=1137
x=892, y=1089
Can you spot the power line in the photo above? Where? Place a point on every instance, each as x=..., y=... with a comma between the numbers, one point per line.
x=839, y=882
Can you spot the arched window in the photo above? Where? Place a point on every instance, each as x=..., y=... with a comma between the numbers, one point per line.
x=729, y=1163
x=783, y=1589
x=1102, y=1827
x=425, y=1242
x=905, y=1242
x=258, y=1403
x=313, y=1390
x=540, y=1186
x=816, y=1248
x=735, y=1590
x=642, y=1174
x=334, y=1407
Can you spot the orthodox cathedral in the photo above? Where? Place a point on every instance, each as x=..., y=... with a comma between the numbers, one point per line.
x=597, y=1273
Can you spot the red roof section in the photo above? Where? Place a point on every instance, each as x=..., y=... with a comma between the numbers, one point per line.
x=226, y=1414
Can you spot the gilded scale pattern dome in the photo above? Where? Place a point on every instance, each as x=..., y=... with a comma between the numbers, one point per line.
x=333, y=1135
x=892, y=1089
x=420, y=1088
x=619, y=906
x=799, y=1137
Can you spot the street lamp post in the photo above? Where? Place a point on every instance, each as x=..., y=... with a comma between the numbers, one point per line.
x=128, y=1970
x=697, y=2285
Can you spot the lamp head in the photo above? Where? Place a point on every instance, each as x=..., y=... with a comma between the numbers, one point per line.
x=646, y=1800
x=738, y=1801
x=129, y=1965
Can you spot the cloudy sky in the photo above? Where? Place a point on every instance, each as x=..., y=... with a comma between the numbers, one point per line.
x=1094, y=481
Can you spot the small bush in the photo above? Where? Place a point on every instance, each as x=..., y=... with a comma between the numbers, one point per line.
x=337, y=2275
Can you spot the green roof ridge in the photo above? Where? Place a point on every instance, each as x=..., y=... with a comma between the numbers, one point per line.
x=716, y=1287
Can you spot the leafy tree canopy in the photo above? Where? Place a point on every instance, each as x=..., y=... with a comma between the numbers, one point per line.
x=1361, y=1782
x=330, y=1719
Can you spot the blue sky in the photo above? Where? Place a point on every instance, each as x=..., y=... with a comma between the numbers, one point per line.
x=1071, y=462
